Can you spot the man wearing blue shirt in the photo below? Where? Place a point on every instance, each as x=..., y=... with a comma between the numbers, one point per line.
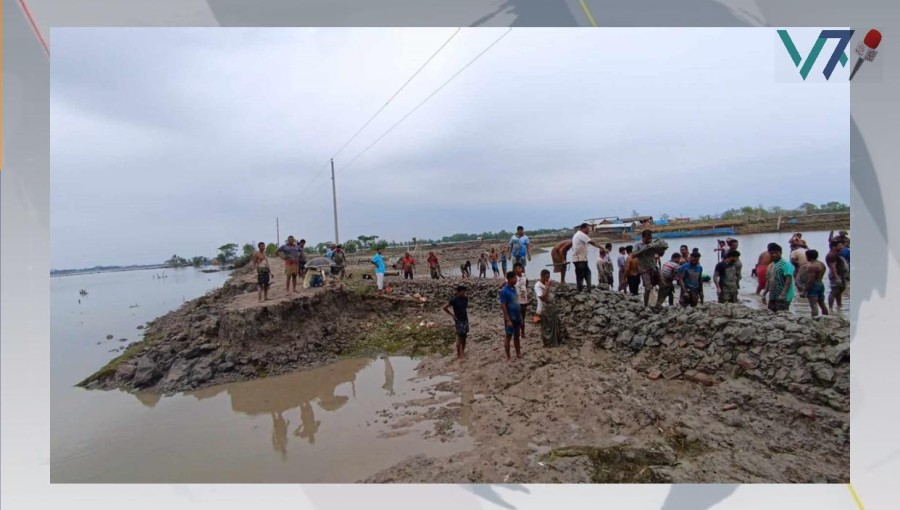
x=512, y=314
x=520, y=247
x=691, y=280
x=378, y=261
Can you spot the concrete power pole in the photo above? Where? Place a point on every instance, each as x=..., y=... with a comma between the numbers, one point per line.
x=334, y=196
x=277, y=233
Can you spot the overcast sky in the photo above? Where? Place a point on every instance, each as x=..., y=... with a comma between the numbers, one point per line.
x=180, y=140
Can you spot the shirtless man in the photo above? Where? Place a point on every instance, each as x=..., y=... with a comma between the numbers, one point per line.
x=632, y=271
x=815, y=288
x=837, y=272
x=762, y=265
x=263, y=273
x=558, y=255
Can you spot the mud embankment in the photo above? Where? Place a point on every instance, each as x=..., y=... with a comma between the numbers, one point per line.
x=801, y=355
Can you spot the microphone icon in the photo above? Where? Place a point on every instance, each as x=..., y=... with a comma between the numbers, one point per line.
x=866, y=50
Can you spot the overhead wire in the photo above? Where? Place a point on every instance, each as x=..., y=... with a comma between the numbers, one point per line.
x=455, y=75
x=394, y=96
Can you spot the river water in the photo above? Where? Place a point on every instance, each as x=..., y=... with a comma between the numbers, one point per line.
x=318, y=425
x=750, y=247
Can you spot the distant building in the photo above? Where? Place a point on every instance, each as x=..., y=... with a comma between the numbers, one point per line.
x=640, y=221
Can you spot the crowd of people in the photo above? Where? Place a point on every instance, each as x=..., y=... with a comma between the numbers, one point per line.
x=641, y=266
x=295, y=258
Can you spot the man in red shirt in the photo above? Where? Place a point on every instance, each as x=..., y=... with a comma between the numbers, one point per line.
x=409, y=266
x=434, y=265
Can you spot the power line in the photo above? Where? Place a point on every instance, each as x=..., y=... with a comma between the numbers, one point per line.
x=360, y=130
x=460, y=71
x=397, y=93
x=463, y=68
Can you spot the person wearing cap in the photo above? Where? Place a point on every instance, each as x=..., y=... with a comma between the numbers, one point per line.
x=580, y=242
x=460, y=305
x=779, y=289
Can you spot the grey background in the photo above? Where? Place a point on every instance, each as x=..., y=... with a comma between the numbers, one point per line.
x=24, y=257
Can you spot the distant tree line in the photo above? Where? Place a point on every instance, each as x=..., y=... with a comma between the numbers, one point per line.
x=761, y=212
x=228, y=253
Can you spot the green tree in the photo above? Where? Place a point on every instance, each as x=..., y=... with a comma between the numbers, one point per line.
x=227, y=252
x=834, y=207
x=271, y=248
x=199, y=261
x=352, y=246
x=176, y=261
x=248, y=250
x=808, y=208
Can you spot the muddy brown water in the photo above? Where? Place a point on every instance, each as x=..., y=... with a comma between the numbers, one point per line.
x=319, y=425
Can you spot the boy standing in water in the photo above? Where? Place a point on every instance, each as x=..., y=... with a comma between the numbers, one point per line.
x=261, y=263
x=460, y=314
x=512, y=314
x=494, y=259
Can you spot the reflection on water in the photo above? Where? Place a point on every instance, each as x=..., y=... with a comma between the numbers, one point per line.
x=388, y=376
x=321, y=425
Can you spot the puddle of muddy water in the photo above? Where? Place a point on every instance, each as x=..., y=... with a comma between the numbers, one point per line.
x=319, y=425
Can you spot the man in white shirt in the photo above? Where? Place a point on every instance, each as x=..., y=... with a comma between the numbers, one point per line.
x=580, y=242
